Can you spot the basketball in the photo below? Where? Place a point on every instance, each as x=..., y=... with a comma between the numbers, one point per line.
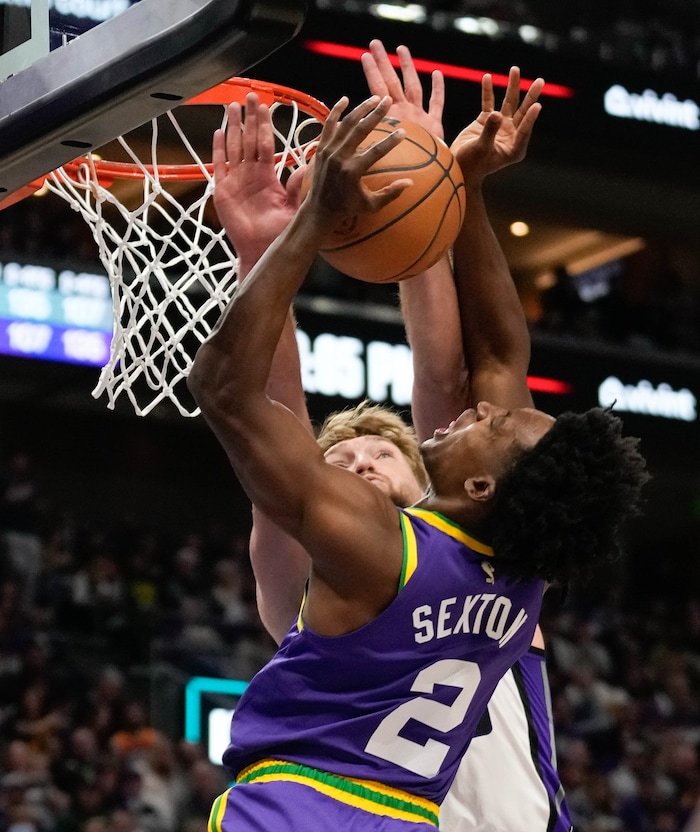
x=413, y=232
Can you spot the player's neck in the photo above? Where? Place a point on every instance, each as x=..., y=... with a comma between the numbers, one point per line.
x=467, y=514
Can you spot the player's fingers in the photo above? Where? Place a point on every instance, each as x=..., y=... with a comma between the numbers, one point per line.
x=531, y=97
x=375, y=81
x=330, y=125
x=293, y=186
x=344, y=137
x=372, y=154
x=218, y=155
x=412, y=87
x=250, y=127
x=360, y=122
x=487, y=98
x=391, y=79
x=376, y=200
x=512, y=96
x=266, y=138
x=347, y=134
x=233, y=145
x=524, y=131
x=436, y=105
x=490, y=129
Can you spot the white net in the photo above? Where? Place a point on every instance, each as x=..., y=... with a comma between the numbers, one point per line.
x=171, y=268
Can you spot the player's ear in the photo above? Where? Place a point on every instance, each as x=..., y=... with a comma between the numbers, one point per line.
x=481, y=488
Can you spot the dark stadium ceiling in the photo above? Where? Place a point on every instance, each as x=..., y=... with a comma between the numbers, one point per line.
x=578, y=216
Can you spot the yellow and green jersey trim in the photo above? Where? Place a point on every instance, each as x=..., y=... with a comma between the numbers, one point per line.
x=437, y=520
x=216, y=815
x=367, y=795
x=410, y=551
x=300, y=620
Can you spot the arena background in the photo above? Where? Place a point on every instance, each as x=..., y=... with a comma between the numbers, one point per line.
x=609, y=277
x=622, y=194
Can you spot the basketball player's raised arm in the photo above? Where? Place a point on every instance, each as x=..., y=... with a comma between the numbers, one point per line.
x=494, y=329
x=276, y=460
x=254, y=210
x=479, y=348
x=429, y=300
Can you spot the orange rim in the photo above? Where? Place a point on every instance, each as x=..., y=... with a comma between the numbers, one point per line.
x=22, y=193
x=234, y=89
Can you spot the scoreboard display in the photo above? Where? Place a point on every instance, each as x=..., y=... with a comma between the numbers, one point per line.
x=54, y=314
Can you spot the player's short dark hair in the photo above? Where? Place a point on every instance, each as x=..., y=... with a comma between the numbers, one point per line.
x=561, y=508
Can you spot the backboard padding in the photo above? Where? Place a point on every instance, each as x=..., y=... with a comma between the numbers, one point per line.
x=127, y=70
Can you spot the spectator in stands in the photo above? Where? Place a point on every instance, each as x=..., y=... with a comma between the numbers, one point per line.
x=205, y=783
x=40, y=718
x=163, y=787
x=134, y=736
x=21, y=510
x=15, y=639
x=226, y=599
x=80, y=760
x=187, y=576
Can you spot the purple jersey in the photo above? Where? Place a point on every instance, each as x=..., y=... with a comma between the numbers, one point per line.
x=395, y=702
x=508, y=781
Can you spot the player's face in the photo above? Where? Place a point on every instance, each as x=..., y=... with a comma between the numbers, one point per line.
x=380, y=462
x=481, y=442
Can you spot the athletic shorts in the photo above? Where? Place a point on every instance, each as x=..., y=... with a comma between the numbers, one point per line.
x=291, y=802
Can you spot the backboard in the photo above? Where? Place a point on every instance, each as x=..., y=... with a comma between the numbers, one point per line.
x=72, y=86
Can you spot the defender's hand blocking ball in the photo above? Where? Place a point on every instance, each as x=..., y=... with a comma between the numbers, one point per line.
x=411, y=233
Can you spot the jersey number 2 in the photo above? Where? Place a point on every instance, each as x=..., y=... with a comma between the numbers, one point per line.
x=426, y=759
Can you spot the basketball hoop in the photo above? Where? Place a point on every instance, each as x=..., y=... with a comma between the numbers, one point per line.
x=171, y=269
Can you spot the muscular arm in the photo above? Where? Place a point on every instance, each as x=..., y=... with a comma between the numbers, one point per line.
x=255, y=208
x=434, y=332
x=429, y=300
x=275, y=458
x=494, y=330
x=280, y=564
x=476, y=345
x=468, y=334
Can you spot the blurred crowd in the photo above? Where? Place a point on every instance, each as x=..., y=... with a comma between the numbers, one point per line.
x=90, y=616
x=626, y=701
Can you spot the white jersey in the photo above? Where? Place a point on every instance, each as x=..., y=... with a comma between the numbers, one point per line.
x=507, y=781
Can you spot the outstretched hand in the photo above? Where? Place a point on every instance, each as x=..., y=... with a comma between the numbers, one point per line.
x=337, y=190
x=497, y=139
x=252, y=204
x=407, y=97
